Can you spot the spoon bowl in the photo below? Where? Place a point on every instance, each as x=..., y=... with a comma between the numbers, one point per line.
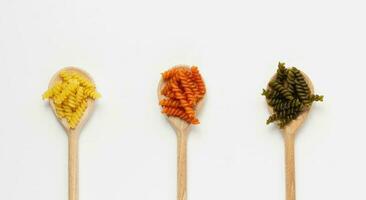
x=292, y=126
x=55, y=79
x=178, y=124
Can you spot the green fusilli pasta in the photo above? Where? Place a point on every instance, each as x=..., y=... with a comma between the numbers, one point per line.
x=289, y=95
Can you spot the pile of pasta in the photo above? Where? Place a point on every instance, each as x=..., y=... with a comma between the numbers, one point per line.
x=183, y=89
x=289, y=95
x=70, y=96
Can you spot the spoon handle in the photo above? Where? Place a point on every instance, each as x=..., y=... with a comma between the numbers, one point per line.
x=73, y=165
x=290, y=166
x=182, y=165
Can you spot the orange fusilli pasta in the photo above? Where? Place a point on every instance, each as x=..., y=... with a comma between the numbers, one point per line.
x=183, y=89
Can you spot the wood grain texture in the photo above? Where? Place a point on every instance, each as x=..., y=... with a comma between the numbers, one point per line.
x=73, y=164
x=182, y=165
x=73, y=134
x=181, y=128
x=289, y=134
x=290, y=166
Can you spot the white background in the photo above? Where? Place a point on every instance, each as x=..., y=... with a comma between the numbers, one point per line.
x=128, y=150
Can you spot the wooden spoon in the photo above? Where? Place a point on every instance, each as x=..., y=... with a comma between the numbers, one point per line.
x=289, y=132
x=181, y=128
x=73, y=134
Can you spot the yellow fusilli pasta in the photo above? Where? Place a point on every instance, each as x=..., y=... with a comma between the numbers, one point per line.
x=70, y=96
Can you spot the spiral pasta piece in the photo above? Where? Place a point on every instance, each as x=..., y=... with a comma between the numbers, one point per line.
x=281, y=72
x=70, y=96
x=272, y=118
x=274, y=101
x=199, y=81
x=169, y=74
x=271, y=94
x=277, y=86
x=170, y=103
x=289, y=95
x=182, y=99
x=178, y=112
x=183, y=89
x=185, y=82
x=291, y=81
x=286, y=105
x=316, y=98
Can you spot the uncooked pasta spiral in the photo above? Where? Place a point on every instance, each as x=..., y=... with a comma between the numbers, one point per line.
x=179, y=94
x=289, y=95
x=281, y=72
x=170, y=103
x=169, y=74
x=78, y=113
x=266, y=93
x=183, y=89
x=286, y=105
x=316, y=98
x=271, y=94
x=70, y=96
x=291, y=81
x=197, y=78
x=277, y=86
x=179, y=112
x=272, y=118
x=185, y=82
x=274, y=101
